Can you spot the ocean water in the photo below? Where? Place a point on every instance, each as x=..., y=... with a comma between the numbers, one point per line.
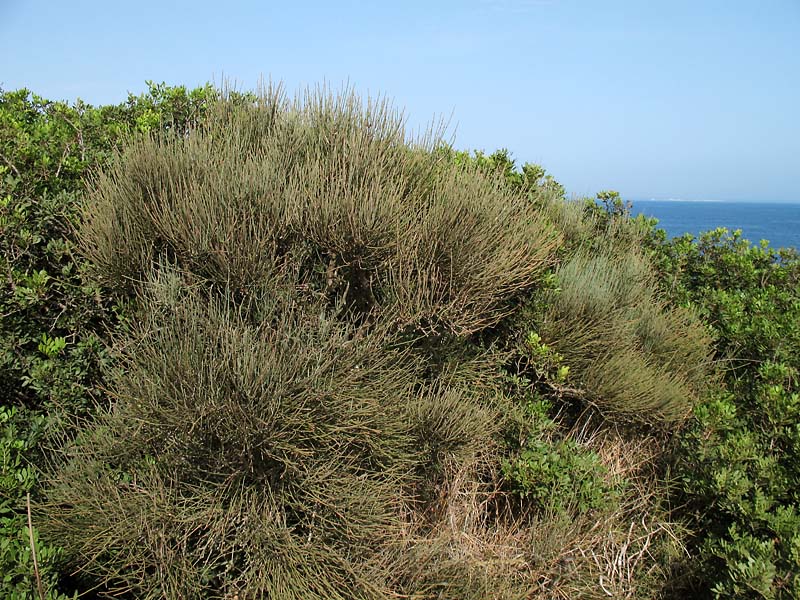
x=777, y=222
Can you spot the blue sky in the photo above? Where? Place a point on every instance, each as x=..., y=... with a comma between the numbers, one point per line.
x=692, y=100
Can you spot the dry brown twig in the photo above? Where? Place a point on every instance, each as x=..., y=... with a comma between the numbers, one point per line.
x=33, y=549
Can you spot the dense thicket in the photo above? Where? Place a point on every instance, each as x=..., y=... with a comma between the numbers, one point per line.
x=301, y=355
x=54, y=318
x=308, y=262
x=739, y=457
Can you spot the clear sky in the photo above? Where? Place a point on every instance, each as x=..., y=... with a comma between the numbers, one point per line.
x=657, y=99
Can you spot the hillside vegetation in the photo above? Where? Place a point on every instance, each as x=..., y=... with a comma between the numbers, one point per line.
x=255, y=346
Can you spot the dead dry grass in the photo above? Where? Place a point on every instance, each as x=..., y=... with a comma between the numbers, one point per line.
x=500, y=549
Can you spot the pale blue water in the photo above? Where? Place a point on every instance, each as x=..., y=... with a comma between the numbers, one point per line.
x=778, y=223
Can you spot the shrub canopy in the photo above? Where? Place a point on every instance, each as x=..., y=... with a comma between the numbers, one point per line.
x=282, y=402
x=322, y=193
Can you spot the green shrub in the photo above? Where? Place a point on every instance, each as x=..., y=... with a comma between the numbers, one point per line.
x=19, y=434
x=531, y=180
x=739, y=471
x=739, y=457
x=54, y=318
x=627, y=353
x=358, y=213
x=304, y=277
x=555, y=473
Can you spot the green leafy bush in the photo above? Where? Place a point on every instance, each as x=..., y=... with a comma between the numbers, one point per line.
x=556, y=473
x=53, y=317
x=739, y=460
x=19, y=434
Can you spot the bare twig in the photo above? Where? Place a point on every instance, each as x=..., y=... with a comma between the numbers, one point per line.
x=10, y=164
x=63, y=158
x=33, y=550
x=10, y=276
x=79, y=132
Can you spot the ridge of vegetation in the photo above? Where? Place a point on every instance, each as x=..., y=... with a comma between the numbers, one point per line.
x=276, y=348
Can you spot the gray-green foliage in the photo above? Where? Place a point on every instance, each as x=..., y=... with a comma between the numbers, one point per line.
x=628, y=353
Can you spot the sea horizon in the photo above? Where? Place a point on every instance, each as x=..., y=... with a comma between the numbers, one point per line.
x=716, y=200
x=775, y=221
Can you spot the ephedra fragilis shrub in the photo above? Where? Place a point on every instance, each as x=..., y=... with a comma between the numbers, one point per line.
x=276, y=412
x=372, y=218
